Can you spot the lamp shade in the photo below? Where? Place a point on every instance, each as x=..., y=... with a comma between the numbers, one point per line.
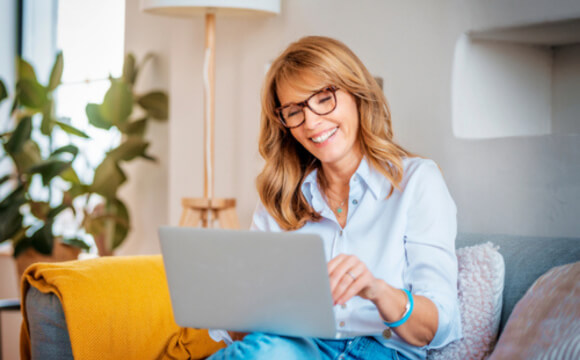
x=185, y=8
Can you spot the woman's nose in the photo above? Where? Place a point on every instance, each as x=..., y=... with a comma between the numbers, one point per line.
x=311, y=119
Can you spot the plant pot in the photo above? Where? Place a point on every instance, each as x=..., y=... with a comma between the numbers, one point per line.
x=60, y=252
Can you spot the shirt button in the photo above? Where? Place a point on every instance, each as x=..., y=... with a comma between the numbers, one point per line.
x=340, y=233
x=341, y=324
x=355, y=201
x=343, y=306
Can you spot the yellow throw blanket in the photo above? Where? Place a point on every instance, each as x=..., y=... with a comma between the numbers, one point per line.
x=116, y=307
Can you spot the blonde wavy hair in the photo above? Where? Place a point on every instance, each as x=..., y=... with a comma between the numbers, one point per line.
x=287, y=161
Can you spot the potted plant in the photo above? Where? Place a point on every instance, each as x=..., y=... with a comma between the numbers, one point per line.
x=33, y=202
x=40, y=166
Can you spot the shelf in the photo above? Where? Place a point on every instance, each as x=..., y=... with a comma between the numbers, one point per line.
x=517, y=81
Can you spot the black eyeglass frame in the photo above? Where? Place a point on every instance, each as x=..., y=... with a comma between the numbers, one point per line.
x=304, y=103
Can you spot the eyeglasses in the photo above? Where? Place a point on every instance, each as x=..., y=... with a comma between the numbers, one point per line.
x=322, y=102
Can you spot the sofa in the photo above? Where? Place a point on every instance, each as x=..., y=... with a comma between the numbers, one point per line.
x=119, y=307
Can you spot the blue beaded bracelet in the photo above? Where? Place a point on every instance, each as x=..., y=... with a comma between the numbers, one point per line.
x=407, y=314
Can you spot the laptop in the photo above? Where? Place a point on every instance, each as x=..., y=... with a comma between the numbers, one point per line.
x=248, y=281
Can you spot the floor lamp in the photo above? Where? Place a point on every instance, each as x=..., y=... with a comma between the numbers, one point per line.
x=204, y=210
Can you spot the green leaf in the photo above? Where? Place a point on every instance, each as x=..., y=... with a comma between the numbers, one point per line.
x=72, y=130
x=18, y=237
x=136, y=128
x=77, y=242
x=118, y=103
x=70, y=175
x=49, y=169
x=113, y=223
x=47, y=123
x=20, y=135
x=10, y=217
x=129, y=150
x=156, y=103
x=56, y=73
x=21, y=245
x=129, y=70
x=108, y=178
x=77, y=189
x=43, y=239
x=27, y=157
x=147, y=58
x=15, y=105
x=31, y=94
x=96, y=118
x=3, y=91
x=25, y=71
x=149, y=157
x=17, y=196
x=122, y=224
x=70, y=149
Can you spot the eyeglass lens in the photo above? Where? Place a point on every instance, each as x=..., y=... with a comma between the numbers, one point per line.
x=321, y=103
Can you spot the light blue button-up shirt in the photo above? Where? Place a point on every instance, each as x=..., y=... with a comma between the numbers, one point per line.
x=408, y=240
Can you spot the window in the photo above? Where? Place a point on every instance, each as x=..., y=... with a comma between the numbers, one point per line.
x=90, y=33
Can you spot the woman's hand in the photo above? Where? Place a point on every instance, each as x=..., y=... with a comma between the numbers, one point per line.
x=349, y=277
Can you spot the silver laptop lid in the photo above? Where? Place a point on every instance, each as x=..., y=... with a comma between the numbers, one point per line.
x=248, y=281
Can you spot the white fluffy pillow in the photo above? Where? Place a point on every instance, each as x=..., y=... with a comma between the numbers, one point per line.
x=480, y=286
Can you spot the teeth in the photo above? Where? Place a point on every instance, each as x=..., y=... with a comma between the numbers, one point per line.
x=324, y=136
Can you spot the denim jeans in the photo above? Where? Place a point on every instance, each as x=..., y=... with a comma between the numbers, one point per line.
x=266, y=346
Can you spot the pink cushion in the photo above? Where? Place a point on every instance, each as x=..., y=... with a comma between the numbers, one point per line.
x=545, y=323
x=480, y=287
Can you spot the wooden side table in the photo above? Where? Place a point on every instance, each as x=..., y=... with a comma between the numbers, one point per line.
x=203, y=210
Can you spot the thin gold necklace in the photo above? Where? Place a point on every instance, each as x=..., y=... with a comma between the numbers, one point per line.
x=339, y=209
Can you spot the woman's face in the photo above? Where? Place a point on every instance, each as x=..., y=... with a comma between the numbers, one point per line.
x=331, y=138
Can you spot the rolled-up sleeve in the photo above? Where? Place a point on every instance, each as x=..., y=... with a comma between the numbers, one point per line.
x=430, y=249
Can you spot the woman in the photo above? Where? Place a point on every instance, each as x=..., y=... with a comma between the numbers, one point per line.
x=386, y=217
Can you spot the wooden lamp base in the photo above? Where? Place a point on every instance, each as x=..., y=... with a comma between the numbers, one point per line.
x=203, y=210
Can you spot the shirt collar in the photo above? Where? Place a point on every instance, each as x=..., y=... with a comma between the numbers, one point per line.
x=311, y=191
x=366, y=173
x=372, y=178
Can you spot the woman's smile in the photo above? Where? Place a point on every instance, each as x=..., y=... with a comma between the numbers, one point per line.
x=321, y=138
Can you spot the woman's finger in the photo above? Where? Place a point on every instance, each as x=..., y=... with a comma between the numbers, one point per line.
x=340, y=268
x=356, y=288
x=350, y=276
x=333, y=263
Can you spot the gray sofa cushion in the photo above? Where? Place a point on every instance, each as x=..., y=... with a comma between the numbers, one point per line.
x=49, y=337
x=526, y=258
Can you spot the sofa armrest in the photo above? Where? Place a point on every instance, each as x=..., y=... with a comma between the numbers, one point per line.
x=48, y=331
x=116, y=305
